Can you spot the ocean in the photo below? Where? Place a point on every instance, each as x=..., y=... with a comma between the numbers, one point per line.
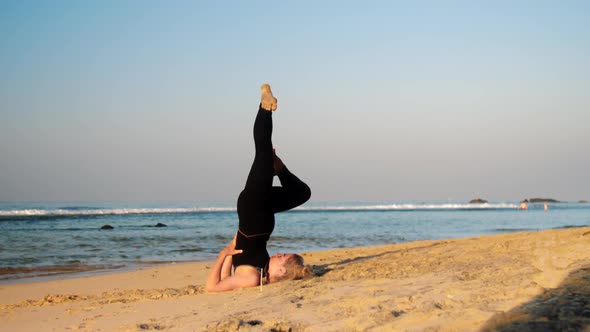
x=42, y=240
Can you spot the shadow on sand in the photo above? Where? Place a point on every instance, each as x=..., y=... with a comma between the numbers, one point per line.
x=566, y=308
x=321, y=269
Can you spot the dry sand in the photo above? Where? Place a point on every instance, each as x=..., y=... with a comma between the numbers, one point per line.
x=535, y=281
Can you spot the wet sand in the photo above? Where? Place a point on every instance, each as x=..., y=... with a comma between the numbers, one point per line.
x=515, y=282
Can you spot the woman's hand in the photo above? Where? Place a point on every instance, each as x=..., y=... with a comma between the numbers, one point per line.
x=230, y=249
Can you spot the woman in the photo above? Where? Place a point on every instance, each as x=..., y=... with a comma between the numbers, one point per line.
x=257, y=204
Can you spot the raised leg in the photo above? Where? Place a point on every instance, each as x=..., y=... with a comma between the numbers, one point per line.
x=291, y=194
x=262, y=170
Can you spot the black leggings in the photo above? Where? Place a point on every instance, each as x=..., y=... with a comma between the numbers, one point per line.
x=259, y=200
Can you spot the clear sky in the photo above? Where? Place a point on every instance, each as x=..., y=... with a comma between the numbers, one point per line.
x=378, y=100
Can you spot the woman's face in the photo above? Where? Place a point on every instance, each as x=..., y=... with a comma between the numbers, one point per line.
x=275, y=265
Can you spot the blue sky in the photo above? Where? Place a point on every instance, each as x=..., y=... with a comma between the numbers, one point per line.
x=378, y=100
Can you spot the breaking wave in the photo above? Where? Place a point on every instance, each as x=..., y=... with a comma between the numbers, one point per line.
x=86, y=211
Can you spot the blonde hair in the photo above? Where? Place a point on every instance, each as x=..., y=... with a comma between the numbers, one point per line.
x=295, y=270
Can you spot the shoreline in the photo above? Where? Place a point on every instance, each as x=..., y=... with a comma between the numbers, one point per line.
x=26, y=274
x=49, y=273
x=75, y=239
x=475, y=283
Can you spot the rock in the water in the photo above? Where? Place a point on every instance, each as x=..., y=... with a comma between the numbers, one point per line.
x=161, y=225
x=543, y=200
x=107, y=227
x=478, y=201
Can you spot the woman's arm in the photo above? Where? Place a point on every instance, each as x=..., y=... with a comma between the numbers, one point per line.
x=226, y=267
x=219, y=279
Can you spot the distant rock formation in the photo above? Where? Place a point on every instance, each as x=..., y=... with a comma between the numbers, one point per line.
x=478, y=201
x=161, y=225
x=582, y=201
x=543, y=200
x=107, y=227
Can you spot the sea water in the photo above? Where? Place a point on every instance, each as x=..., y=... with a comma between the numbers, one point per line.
x=39, y=239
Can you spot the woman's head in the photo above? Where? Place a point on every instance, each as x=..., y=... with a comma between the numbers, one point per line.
x=287, y=267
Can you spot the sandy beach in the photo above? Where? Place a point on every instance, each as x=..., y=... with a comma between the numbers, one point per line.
x=516, y=282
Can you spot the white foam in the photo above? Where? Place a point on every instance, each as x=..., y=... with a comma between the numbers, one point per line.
x=127, y=211
x=409, y=207
x=99, y=212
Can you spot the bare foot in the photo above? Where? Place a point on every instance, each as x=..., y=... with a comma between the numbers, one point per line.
x=267, y=100
x=277, y=163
